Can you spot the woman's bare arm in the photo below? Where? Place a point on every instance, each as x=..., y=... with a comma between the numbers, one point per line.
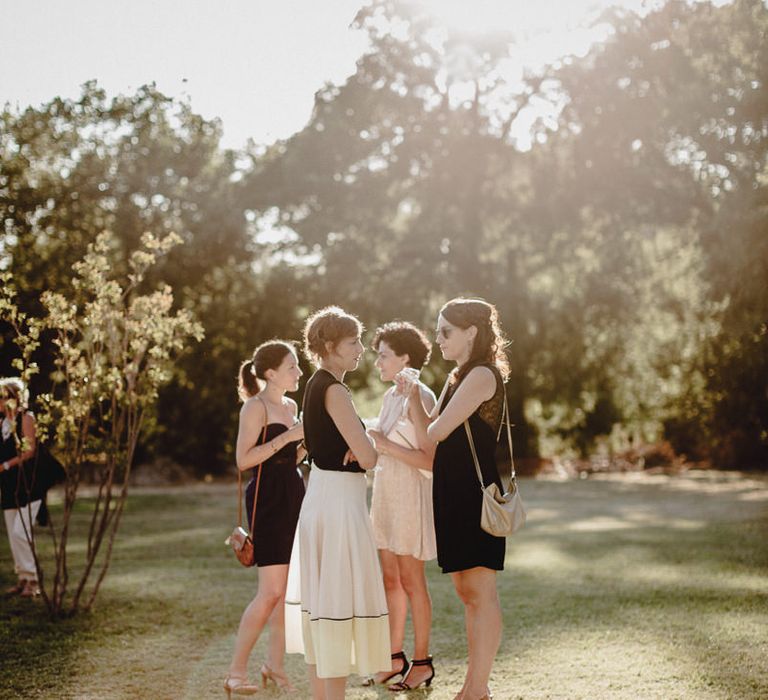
x=29, y=441
x=422, y=417
x=478, y=386
x=253, y=416
x=339, y=405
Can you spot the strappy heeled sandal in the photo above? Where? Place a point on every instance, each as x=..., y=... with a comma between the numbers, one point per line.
x=279, y=679
x=405, y=685
x=239, y=686
x=402, y=671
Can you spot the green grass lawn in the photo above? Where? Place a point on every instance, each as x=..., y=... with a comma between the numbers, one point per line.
x=619, y=587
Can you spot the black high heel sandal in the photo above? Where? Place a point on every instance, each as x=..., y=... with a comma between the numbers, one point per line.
x=402, y=672
x=404, y=685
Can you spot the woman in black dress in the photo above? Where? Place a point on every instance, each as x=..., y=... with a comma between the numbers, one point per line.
x=269, y=434
x=22, y=490
x=468, y=334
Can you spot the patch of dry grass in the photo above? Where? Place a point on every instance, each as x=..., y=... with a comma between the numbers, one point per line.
x=619, y=587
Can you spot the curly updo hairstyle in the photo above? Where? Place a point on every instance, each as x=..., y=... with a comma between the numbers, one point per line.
x=489, y=343
x=404, y=339
x=328, y=325
x=269, y=355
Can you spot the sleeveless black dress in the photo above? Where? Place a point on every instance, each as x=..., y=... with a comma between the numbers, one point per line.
x=456, y=496
x=280, y=494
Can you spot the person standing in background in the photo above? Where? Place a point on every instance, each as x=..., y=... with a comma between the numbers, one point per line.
x=21, y=491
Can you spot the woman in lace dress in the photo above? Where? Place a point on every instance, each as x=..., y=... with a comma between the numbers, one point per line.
x=401, y=506
x=468, y=334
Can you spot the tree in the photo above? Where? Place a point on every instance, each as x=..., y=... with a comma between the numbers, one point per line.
x=113, y=349
x=663, y=138
x=72, y=168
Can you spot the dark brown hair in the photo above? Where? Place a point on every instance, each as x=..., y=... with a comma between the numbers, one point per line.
x=328, y=325
x=404, y=339
x=269, y=355
x=489, y=343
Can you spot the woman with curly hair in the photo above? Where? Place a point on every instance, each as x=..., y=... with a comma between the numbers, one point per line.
x=468, y=334
x=401, y=505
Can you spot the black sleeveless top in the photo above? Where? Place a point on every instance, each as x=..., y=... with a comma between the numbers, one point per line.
x=19, y=485
x=324, y=442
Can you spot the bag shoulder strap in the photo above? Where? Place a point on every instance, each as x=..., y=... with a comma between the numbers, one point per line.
x=258, y=480
x=504, y=420
x=474, y=455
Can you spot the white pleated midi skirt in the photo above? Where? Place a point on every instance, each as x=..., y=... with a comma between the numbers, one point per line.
x=344, y=618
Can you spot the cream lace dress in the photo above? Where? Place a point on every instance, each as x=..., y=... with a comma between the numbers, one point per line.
x=401, y=506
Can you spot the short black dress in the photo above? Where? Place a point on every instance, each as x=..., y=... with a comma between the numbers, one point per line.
x=456, y=496
x=281, y=491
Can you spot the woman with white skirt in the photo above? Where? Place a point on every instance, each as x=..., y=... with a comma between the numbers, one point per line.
x=345, y=623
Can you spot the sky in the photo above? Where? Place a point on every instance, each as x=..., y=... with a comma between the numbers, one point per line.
x=255, y=64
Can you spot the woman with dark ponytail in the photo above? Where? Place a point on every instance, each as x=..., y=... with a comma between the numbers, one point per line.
x=468, y=333
x=269, y=435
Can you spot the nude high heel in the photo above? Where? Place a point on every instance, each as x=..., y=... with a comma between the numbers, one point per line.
x=279, y=679
x=239, y=686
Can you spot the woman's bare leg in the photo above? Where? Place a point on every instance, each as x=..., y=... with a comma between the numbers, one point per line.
x=272, y=582
x=397, y=604
x=414, y=583
x=477, y=590
x=335, y=688
x=316, y=684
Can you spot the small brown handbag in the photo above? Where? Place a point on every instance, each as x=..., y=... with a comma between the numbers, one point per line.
x=241, y=540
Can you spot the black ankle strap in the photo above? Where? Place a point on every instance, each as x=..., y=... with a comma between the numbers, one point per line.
x=422, y=662
x=399, y=655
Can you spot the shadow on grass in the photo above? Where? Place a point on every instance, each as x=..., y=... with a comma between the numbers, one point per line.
x=663, y=568
x=615, y=588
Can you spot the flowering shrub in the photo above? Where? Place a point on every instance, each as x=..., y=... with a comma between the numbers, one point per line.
x=113, y=348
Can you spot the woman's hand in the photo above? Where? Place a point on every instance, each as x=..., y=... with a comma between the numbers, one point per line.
x=295, y=432
x=407, y=384
x=381, y=441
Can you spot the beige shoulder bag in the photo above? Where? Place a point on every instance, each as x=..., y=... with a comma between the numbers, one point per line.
x=501, y=514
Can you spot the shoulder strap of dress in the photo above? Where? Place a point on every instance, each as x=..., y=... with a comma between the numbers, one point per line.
x=258, y=479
